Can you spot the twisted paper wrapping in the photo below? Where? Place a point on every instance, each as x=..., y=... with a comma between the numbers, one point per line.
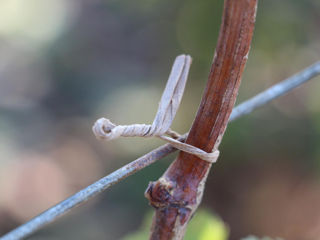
x=168, y=107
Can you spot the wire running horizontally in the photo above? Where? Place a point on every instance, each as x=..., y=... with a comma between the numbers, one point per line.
x=127, y=170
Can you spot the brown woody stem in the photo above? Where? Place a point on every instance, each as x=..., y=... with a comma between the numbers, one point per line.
x=177, y=194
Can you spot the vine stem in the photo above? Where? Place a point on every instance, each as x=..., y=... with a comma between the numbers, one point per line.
x=178, y=193
x=104, y=183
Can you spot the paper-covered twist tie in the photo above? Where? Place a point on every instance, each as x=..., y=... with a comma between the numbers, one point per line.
x=168, y=107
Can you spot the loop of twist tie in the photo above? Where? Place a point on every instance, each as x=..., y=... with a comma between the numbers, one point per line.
x=168, y=107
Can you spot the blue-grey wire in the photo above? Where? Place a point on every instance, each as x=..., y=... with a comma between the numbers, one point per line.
x=89, y=192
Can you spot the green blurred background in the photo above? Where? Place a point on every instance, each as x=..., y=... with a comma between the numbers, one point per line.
x=65, y=63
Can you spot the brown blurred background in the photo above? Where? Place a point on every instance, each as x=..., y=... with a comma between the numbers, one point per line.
x=65, y=63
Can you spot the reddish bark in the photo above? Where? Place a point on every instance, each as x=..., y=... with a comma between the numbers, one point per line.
x=177, y=194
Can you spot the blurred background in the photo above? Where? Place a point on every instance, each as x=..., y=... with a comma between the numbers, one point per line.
x=65, y=63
